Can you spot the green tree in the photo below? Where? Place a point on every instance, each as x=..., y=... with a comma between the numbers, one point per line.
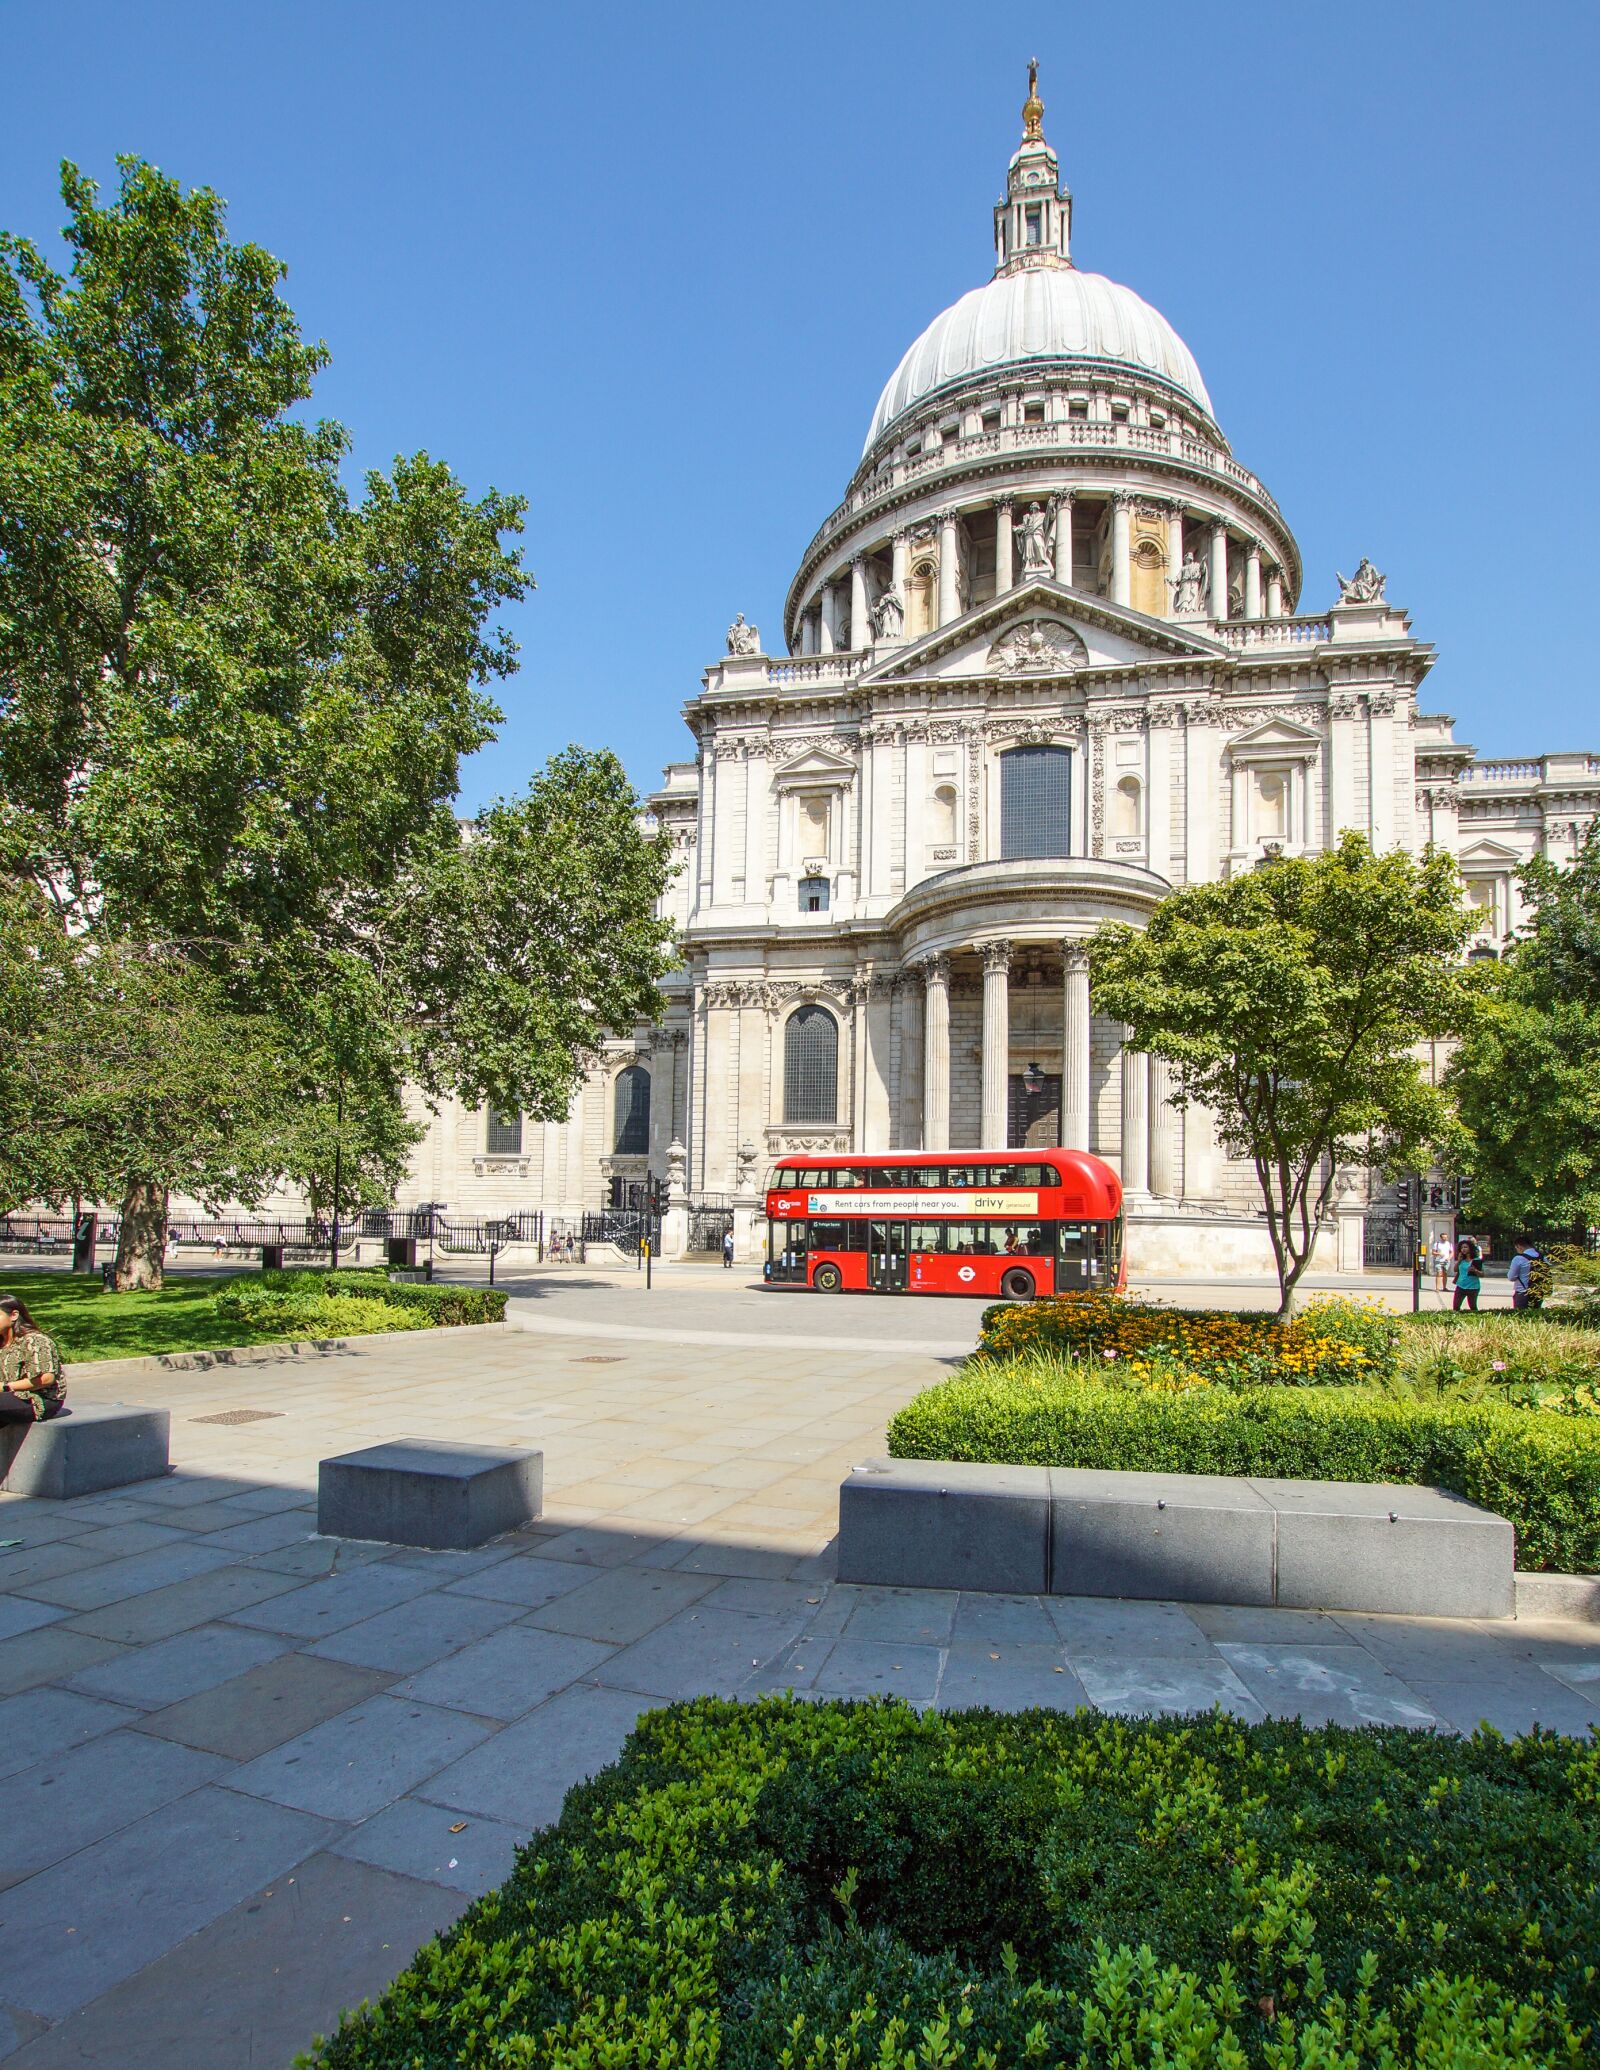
x=1290, y=1000
x=1526, y=1079
x=234, y=702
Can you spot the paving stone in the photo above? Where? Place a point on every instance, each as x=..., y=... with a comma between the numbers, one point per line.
x=754, y=1562
x=879, y=1667
x=266, y=1534
x=185, y=1604
x=363, y=1759
x=601, y=1545
x=921, y=1616
x=183, y=1490
x=1094, y=1625
x=414, y=1839
x=1130, y=1687
x=447, y=1565
x=1261, y=1625
x=248, y=1991
x=699, y=1652
x=742, y=1593
x=1325, y=1685
x=152, y=1677
x=1009, y=1620
x=265, y=1705
x=1511, y=1703
x=49, y=1654
x=124, y=1903
x=506, y=1675
x=43, y=1721
x=46, y=1561
x=319, y=1556
x=75, y=1798
x=414, y=1635
x=321, y=1607
x=529, y=1580
x=1008, y=1677
x=523, y=1773
x=114, y=1581
x=117, y=1541
x=17, y=2027
x=622, y=1604
x=22, y=1614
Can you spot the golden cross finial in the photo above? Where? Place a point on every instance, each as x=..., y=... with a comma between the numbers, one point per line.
x=1032, y=107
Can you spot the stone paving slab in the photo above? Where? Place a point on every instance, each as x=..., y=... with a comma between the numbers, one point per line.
x=339, y=1707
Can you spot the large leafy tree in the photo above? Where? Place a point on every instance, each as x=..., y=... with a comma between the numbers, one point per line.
x=1291, y=1000
x=1527, y=1077
x=234, y=698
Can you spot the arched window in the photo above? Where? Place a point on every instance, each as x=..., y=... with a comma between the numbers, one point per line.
x=1272, y=805
x=633, y=1112
x=942, y=816
x=920, y=590
x=813, y=894
x=1125, y=814
x=1035, y=802
x=811, y=1066
x=1149, y=585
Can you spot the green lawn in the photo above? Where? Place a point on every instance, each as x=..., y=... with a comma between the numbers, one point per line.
x=89, y=1324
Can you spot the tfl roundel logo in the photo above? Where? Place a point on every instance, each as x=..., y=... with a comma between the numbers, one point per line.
x=966, y=1273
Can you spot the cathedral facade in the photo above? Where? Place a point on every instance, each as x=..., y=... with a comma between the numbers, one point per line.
x=1047, y=660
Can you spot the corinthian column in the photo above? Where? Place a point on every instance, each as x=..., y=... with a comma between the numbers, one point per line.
x=1075, y=1048
x=936, y=1053
x=1002, y=546
x=1163, y=1132
x=1121, y=562
x=1219, y=570
x=996, y=1043
x=860, y=625
x=1064, y=538
x=830, y=619
x=1135, y=1120
x=949, y=596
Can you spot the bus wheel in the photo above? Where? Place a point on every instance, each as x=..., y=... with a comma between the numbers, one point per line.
x=827, y=1279
x=1018, y=1286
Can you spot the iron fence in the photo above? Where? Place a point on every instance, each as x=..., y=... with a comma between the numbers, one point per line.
x=308, y=1236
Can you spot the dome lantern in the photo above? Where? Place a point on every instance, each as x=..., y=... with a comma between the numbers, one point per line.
x=1033, y=223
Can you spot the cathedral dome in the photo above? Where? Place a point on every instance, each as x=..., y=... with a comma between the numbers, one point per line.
x=1046, y=313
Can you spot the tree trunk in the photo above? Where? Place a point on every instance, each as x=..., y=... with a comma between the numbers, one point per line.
x=142, y=1237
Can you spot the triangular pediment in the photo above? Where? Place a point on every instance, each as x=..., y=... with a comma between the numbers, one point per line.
x=1282, y=735
x=1041, y=631
x=815, y=765
x=1489, y=854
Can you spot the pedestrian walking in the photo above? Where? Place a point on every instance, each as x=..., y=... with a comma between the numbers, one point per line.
x=1444, y=1256
x=727, y=1250
x=1519, y=1273
x=1469, y=1277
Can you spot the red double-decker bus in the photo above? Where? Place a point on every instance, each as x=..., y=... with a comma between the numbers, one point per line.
x=990, y=1222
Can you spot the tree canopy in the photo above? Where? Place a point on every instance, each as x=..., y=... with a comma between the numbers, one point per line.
x=1291, y=1001
x=234, y=701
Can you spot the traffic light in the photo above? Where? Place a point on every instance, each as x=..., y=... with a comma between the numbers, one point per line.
x=1463, y=1191
x=1403, y=1199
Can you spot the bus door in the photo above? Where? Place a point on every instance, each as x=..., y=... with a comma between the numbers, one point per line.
x=887, y=1256
x=1077, y=1260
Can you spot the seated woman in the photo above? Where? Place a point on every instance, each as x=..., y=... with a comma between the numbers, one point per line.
x=31, y=1383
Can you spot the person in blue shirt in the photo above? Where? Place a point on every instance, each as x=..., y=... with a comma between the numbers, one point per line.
x=1519, y=1272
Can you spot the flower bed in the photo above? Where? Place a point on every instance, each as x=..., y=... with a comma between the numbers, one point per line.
x=790, y=1886
x=1542, y=1473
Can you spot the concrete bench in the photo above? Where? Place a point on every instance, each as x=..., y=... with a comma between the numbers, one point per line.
x=86, y=1448
x=1174, y=1537
x=419, y=1492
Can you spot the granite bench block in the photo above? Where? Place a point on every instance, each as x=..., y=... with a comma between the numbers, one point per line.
x=98, y=1445
x=1162, y=1537
x=419, y=1492
x=1417, y=1552
x=919, y=1523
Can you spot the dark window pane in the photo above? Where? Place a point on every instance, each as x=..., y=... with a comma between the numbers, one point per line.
x=810, y=1065
x=505, y=1135
x=1035, y=802
x=633, y=1111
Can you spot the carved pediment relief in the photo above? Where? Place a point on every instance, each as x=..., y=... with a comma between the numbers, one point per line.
x=815, y=764
x=1038, y=647
x=1276, y=740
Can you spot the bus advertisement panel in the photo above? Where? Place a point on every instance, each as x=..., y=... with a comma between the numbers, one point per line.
x=992, y=1223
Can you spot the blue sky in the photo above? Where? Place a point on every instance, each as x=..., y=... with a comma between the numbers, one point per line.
x=650, y=267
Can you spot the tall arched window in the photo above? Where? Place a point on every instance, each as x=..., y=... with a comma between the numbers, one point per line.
x=1035, y=802
x=811, y=1066
x=942, y=816
x=633, y=1112
x=1125, y=814
x=1149, y=579
x=920, y=592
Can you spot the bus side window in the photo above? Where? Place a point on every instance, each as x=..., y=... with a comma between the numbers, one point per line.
x=927, y=1236
x=828, y=1236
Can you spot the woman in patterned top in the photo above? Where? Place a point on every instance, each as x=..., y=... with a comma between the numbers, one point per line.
x=31, y=1383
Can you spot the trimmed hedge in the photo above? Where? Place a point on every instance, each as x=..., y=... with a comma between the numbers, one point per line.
x=443, y=1306
x=1541, y=1472
x=311, y=1315
x=1330, y=1341
x=794, y=1886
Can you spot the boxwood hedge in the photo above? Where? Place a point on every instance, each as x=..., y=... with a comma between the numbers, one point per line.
x=444, y=1306
x=1542, y=1472
x=833, y=1887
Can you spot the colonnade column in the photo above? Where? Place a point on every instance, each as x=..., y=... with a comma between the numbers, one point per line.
x=1219, y=570
x=1174, y=551
x=996, y=1044
x=949, y=595
x=902, y=565
x=1075, y=1047
x=936, y=1053
x=830, y=619
x=1275, y=594
x=860, y=623
x=1252, y=581
x=1163, y=1132
x=1121, y=549
x=808, y=633
x=1135, y=1120
x=1003, y=577
x=1064, y=538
